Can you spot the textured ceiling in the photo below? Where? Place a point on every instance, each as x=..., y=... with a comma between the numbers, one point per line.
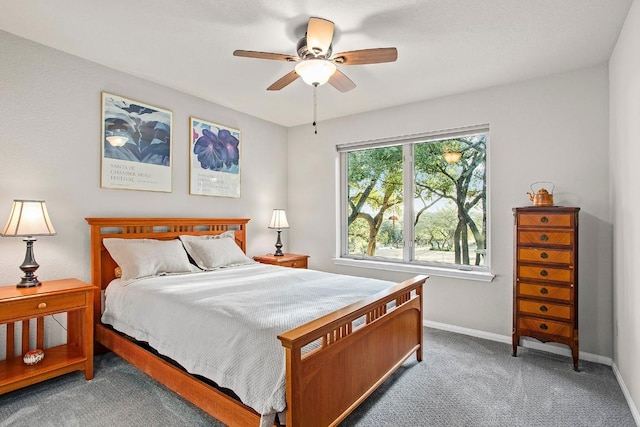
x=444, y=46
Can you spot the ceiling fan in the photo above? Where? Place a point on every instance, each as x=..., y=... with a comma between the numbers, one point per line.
x=315, y=63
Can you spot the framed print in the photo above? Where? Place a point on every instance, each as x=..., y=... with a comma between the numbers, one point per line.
x=214, y=159
x=136, y=145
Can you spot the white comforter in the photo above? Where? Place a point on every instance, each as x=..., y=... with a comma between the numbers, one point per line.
x=224, y=324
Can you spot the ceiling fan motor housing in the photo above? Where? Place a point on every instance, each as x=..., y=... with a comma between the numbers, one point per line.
x=305, y=53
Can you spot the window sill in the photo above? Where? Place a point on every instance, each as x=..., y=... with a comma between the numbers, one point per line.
x=481, y=276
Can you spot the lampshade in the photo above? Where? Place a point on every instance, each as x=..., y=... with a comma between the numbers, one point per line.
x=278, y=219
x=315, y=72
x=28, y=218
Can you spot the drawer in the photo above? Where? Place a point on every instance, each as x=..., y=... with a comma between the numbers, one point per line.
x=543, y=308
x=26, y=308
x=545, y=273
x=548, y=256
x=542, y=219
x=300, y=263
x=545, y=291
x=545, y=326
x=546, y=237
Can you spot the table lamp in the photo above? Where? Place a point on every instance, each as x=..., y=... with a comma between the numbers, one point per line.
x=278, y=222
x=28, y=218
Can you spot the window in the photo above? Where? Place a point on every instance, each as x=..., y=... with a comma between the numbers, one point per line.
x=419, y=200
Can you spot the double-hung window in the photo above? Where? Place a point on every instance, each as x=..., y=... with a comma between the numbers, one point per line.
x=419, y=200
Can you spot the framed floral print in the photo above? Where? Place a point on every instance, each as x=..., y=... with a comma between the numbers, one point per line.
x=214, y=159
x=136, y=145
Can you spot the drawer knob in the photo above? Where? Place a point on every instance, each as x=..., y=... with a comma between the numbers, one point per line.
x=544, y=237
x=543, y=308
x=544, y=273
x=544, y=219
x=42, y=305
x=544, y=255
x=544, y=326
x=544, y=291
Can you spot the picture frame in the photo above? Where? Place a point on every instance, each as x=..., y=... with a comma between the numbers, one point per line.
x=136, y=143
x=214, y=159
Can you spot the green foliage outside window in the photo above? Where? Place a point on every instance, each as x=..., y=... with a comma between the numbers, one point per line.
x=448, y=205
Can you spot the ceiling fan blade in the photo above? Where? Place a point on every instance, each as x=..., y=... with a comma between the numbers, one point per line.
x=340, y=81
x=319, y=35
x=367, y=56
x=284, y=81
x=264, y=55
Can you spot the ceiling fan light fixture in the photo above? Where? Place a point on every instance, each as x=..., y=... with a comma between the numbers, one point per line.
x=315, y=72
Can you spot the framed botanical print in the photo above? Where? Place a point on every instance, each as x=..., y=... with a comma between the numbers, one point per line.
x=136, y=145
x=214, y=159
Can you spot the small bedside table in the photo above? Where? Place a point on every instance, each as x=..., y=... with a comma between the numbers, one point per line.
x=286, y=260
x=18, y=305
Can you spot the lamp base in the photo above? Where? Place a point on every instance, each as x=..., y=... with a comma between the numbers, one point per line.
x=278, y=246
x=29, y=282
x=29, y=266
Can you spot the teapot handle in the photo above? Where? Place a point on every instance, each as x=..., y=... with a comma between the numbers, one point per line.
x=553, y=186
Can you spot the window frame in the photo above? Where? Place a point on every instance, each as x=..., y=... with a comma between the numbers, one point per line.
x=471, y=272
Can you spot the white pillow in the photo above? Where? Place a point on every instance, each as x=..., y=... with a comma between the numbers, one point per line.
x=148, y=257
x=210, y=254
x=187, y=239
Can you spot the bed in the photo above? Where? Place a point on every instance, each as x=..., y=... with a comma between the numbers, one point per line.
x=324, y=376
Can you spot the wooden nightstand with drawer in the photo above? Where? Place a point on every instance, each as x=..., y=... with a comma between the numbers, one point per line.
x=545, y=285
x=286, y=260
x=18, y=305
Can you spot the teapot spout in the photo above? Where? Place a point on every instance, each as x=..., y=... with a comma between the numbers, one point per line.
x=530, y=196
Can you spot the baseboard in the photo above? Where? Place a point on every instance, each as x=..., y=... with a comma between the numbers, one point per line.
x=524, y=342
x=627, y=395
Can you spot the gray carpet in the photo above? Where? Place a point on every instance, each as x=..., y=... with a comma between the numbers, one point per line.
x=462, y=381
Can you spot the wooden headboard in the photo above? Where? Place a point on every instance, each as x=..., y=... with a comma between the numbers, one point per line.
x=103, y=266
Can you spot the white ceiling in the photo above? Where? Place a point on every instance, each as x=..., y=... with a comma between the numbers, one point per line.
x=444, y=46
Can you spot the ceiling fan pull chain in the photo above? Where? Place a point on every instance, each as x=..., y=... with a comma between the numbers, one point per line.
x=315, y=108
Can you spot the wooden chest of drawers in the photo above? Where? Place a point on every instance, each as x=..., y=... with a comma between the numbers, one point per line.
x=545, y=277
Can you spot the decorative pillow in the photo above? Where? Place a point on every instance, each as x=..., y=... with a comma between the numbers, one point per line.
x=186, y=240
x=210, y=254
x=148, y=257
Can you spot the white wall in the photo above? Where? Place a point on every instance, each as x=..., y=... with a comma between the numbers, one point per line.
x=50, y=110
x=551, y=129
x=624, y=69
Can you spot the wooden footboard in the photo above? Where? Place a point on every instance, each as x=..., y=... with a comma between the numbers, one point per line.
x=359, y=347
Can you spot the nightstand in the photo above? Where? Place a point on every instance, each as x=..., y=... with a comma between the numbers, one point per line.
x=18, y=305
x=286, y=260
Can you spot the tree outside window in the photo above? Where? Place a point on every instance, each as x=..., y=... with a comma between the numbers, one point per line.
x=444, y=196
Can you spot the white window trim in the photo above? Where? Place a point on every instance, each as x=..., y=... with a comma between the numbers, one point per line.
x=457, y=272
x=414, y=137
x=467, y=272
